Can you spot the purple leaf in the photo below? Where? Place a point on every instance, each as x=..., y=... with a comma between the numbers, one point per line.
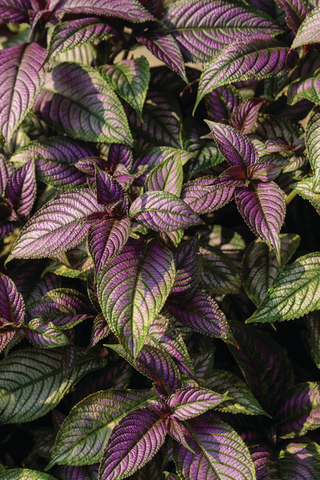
x=45, y=335
x=110, y=191
x=133, y=443
x=308, y=32
x=161, y=123
x=203, y=364
x=244, y=117
x=120, y=154
x=12, y=307
x=66, y=322
x=14, y=11
x=60, y=303
x=58, y=226
x=100, y=330
x=97, y=114
x=192, y=402
x=271, y=127
x=130, y=79
x=21, y=78
x=68, y=35
x=151, y=471
x=6, y=336
x=159, y=367
x=306, y=87
x=85, y=472
x=297, y=411
x=107, y=238
x=44, y=446
x=187, y=268
x=254, y=351
x=201, y=314
x=218, y=273
x=155, y=156
x=6, y=170
x=266, y=462
x=204, y=197
x=21, y=189
x=55, y=160
x=202, y=28
x=263, y=207
x=162, y=211
x=166, y=49
x=132, y=289
x=296, y=11
x=130, y=10
x=312, y=143
x=300, y=460
x=167, y=176
x=258, y=58
x=165, y=337
x=268, y=169
x=87, y=429
x=219, y=452
x=68, y=360
x=222, y=102
x=237, y=149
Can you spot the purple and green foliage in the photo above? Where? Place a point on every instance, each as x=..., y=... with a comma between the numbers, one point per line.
x=151, y=328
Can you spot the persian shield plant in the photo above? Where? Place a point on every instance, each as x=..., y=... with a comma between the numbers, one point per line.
x=150, y=327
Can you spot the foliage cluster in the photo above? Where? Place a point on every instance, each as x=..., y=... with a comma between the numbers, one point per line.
x=150, y=327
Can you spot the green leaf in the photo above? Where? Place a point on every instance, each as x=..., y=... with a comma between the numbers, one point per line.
x=313, y=144
x=309, y=30
x=260, y=265
x=130, y=79
x=312, y=322
x=294, y=292
x=88, y=427
x=227, y=383
x=24, y=474
x=305, y=189
x=46, y=335
x=31, y=383
x=218, y=273
x=167, y=176
x=300, y=461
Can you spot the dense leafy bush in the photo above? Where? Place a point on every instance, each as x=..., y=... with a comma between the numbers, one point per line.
x=143, y=322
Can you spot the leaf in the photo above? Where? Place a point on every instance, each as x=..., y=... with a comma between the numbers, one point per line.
x=130, y=10
x=21, y=78
x=163, y=211
x=218, y=273
x=308, y=32
x=166, y=338
x=203, y=365
x=132, y=289
x=58, y=226
x=45, y=335
x=85, y=432
x=204, y=197
x=167, y=176
x=293, y=293
x=254, y=351
x=61, y=302
x=306, y=87
x=134, y=441
x=187, y=268
x=258, y=59
x=312, y=322
x=166, y=49
x=231, y=385
x=313, y=142
x=161, y=123
x=237, y=149
x=192, y=402
x=219, y=452
x=222, y=102
x=271, y=127
x=68, y=35
x=77, y=101
x=245, y=116
x=266, y=462
x=151, y=471
x=32, y=385
x=305, y=189
x=55, y=159
x=219, y=26
x=297, y=411
x=85, y=472
x=12, y=307
x=21, y=189
x=130, y=79
x=263, y=207
x=24, y=474
x=83, y=54
x=201, y=314
x=110, y=191
x=260, y=265
x=300, y=460
x=14, y=11
x=107, y=238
